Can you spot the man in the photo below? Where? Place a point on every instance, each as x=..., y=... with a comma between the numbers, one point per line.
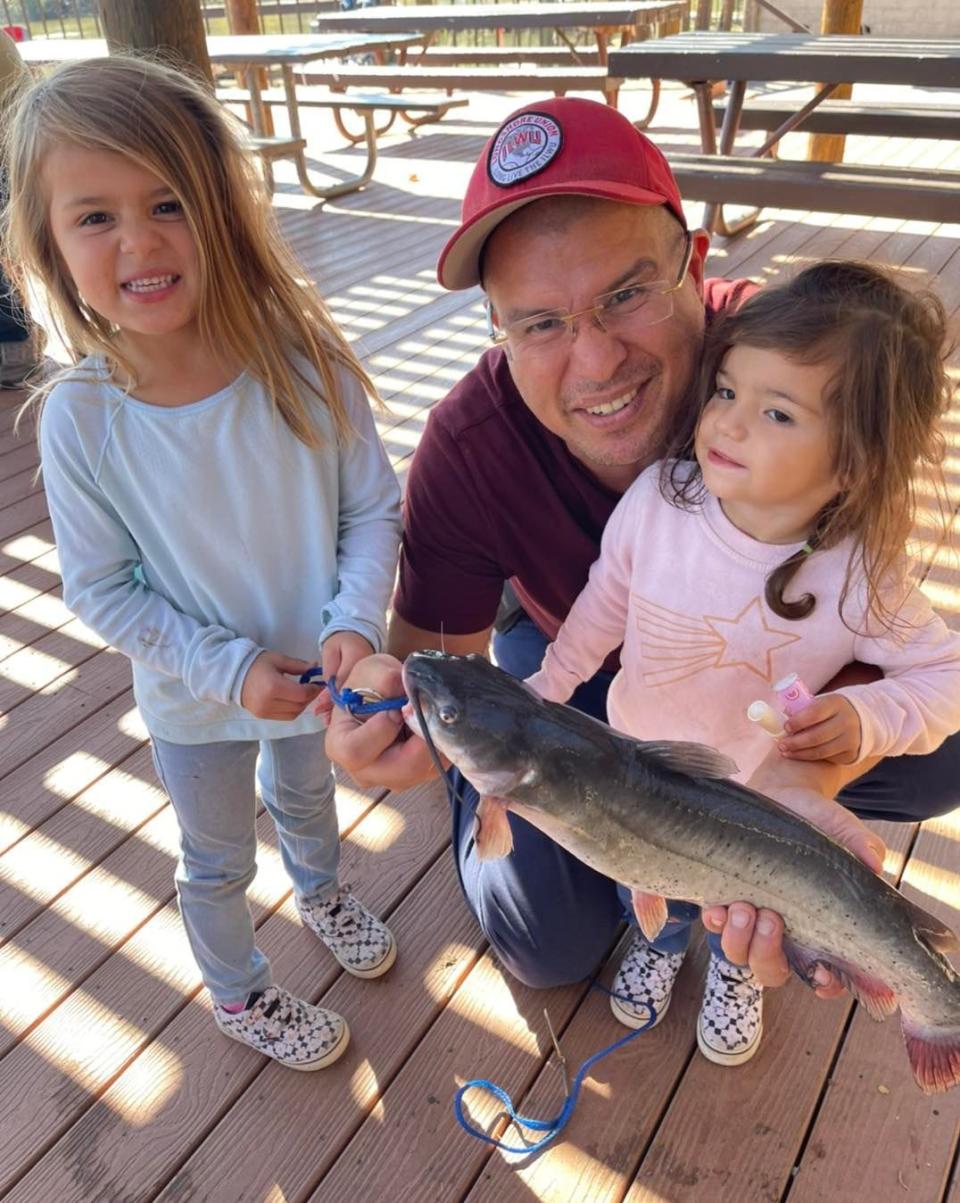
x=574, y=226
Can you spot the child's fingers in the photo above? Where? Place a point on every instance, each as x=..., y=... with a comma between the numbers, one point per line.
x=819, y=711
x=812, y=737
x=840, y=749
x=292, y=692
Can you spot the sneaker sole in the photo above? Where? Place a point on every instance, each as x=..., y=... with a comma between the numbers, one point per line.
x=376, y=971
x=305, y=1067
x=631, y=1021
x=721, y=1058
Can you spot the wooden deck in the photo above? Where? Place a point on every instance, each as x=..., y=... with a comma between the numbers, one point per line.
x=114, y=1084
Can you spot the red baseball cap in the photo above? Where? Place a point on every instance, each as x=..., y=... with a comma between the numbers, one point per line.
x=564, y=146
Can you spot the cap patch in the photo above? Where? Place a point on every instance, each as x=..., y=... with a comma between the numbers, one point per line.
x=525, y=146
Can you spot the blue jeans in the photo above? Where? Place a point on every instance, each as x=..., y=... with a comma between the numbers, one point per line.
x=550, y=918
x=212, y=790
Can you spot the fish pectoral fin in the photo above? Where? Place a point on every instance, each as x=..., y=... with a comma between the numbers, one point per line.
x=492, y=836
x=651, y=912
x=696, y=760
x=932, y=931
x=875, y=996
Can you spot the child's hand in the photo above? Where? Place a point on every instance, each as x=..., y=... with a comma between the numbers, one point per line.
x=827, y=729
x=338, y=656
x=268, y=691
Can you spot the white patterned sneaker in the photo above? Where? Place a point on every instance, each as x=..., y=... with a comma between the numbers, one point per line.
x=731, y=1016
x=291, y=1031
x=644, y=980
x=362, y=944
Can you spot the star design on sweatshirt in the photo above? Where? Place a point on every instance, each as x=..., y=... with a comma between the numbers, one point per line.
x=748, y=642
x=677, y=646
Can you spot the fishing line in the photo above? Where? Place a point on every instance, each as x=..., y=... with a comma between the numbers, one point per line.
x=552, y=1127
x=453, y=794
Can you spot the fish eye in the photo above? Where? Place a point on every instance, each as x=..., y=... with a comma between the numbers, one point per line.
x=448, y=715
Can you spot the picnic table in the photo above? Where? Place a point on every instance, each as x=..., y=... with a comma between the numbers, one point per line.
x=717, y=176
x=628, y=21
x=250, y=52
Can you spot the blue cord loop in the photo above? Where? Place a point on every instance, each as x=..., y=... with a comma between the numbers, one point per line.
x=357, y=701
x=552, y=1127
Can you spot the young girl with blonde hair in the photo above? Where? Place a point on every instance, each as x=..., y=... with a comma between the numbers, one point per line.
x=220, y=498
x=773, y=541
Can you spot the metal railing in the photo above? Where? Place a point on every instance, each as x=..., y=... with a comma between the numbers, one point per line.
x=79, y=19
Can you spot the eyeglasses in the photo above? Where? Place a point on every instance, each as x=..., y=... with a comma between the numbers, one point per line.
x=632, y=306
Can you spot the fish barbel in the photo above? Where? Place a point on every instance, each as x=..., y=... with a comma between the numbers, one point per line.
x=664, y=818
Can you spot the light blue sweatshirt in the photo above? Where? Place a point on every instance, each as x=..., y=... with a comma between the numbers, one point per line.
x=192, y=538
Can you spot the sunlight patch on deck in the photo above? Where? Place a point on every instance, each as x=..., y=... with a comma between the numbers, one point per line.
x=32, y=669
x=27, y=547
x=142, y=1091
x=934, y=881
x=381, y=828
x=109, y=795
x=70, y=775
x=573, y=1172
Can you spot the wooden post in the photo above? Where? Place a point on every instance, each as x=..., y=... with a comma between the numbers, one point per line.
x=704, y=8
x=171, y=25
x=243, y=18
x=839, y=16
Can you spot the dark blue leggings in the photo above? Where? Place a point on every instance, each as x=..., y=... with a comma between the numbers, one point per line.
x=550, y=918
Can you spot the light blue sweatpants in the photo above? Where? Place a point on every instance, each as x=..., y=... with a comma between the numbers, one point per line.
x=212, y=788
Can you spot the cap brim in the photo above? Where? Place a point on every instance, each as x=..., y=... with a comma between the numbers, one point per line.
x=459, y=262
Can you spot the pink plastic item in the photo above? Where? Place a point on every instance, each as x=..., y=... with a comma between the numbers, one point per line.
x=793, y=694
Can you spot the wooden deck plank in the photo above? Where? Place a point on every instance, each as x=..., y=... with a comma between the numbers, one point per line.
x=599, y=1152
x=745, y=1143
x=32, y=725
x=439, y=943
x=134, y=912
x=190, y=1089
x=26, y=546
x=410, y=1149
x=913, y=1137
x=55, y=775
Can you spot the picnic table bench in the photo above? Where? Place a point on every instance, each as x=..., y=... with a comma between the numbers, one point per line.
x=852, y=117
x=718, y=176
x=836, y=187
x=416, y=110
x=541, y=56
x=555, y=80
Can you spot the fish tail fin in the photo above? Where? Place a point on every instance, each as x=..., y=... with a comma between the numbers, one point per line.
x=877, y=998
x=491, y=830
x=934, y=1054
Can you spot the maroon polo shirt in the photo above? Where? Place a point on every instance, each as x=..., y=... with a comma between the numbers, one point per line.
x=493, y=496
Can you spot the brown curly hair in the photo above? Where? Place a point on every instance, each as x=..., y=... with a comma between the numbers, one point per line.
x=883, y=405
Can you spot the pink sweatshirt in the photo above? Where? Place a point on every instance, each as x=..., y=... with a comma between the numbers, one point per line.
x=683, y=591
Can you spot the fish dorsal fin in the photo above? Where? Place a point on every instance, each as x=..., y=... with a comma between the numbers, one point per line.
x=696, y=760
x=933, y=931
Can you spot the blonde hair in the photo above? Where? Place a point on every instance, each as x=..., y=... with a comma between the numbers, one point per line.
x=883, y=404
x=256, y=305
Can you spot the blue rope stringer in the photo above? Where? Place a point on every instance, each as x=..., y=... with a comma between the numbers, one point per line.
x=552, y=1127
x=357, y=702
